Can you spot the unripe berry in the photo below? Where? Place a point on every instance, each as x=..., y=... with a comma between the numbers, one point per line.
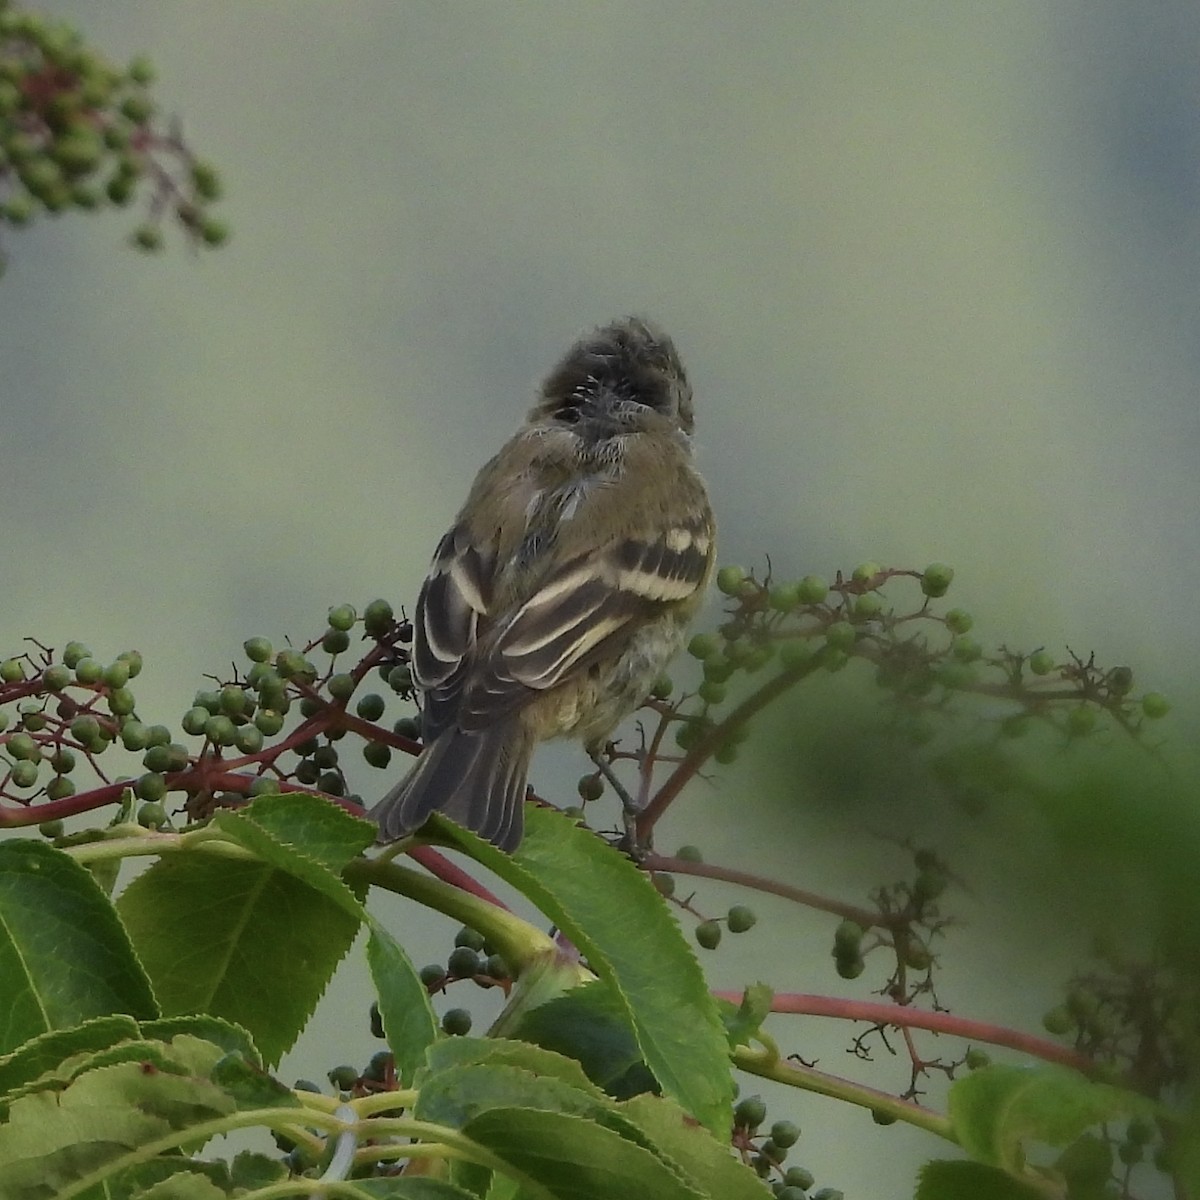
x=463, y=962
x=431, y=975
x=867, y=606
x=958, y=620
x=664, y=884
x=121, y=702
x=63, y=760
x=23, y=748
x=865, y=572
x=194, y=720
x=344, y=1077
x=590, y=787
x=400, y=678
x=341, y=687
x=739, y=919
x=785, y=1134
x=795, y=652
x=371, y=706
x=1081, y=720
x=408, y=727
x=152, y=815
x=377, y=617
x=24, y=774
x=84, y=729
x=966, y=649
x=52, y=829
x=1058, y=1021
x=708, y=934
x=378, y=754
x=689, y=854
x=711, y=693
x=848, y=966
x=268, y=722
x=750, y=1113
x=258, y=649
x=150, y=786
x=1041, y=662
x=812, y=589
x=249, y=739
x=784, y=597
x=730, y=580
x=936, y=580
x=11, y=671
x=342, y=616
x=1155, y=705
x=977, y=1059
x=56, y=677
x=662, y=687
x=334, y=641
x=456, y=1022
x=89, y=670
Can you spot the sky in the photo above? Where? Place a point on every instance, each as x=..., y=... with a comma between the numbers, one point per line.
x=932, y=269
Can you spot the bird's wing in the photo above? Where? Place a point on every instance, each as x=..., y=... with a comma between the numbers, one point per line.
x=586, y=609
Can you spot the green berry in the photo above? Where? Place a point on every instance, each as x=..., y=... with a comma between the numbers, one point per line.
x=73, y=652
x=141, y=70
x=343, y=1078
x=812, y=589
x=784, y=597
x=135, y=736
x=151, y=786
x=334, y=641
x=158, y=735
x=456, y=1022
x=407, y=727
x=63, y=760
x=233, y=701
x=1042, y=663
x=341, y=687
x=371, y=706
x=1155, y=705
x=935, y=581
x=342, y=616
x=11, y=671
x=378, y=754
x=331, y=783
x=662, y=687
x=400, y=678
x=848, y=936
x=23, y=748
x=958, y=620
x=867, y=606
x=799, y=1178
x=496, y=968
x=265, y=785
x=290, y=663
x=1120, y=680
x=785, y=1134
x=89, y=671
x=249, y=739
x=750, y=1113
x=208, y=700
x=849, y=966
x=977, y=1059
x=708, y=935
x=24, y=774
x=78, y=151
x=865, y=572
x=194, y=720
x=258, y=649
x=590, y=787
x=137, y=108
x=85, y=729
x=121, y=702
x=930, y=883
x=730, y=580
x=717, y=669
x=711, y=693
x=741, y=918
x=377, y=617
x=56, y=677
x=664, y=884
x=472, y=938
x=704, y=646
x=463, y=962
x=689, y=854
x=52, y=829
x=432, y=975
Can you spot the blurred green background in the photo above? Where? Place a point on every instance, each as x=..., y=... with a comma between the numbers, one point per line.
x=933, y=269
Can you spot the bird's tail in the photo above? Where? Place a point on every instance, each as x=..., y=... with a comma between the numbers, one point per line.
x=476, y=778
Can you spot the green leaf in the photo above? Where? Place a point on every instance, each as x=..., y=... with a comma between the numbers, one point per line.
x=612, y=913
x=55, y=1144
x=64, y=956
x=707, y=1162
x=246, y=832
x=135, y=1179
x=997, y=1108
x=457, y=1095
x=942, y=1179
x=48, y=1050
x=466, y=1051
x=323, y=830
x=743, y=1023
x=408, y=1019
x=250, y=1086
x=184, y=1185
x=251, y=1170
x=230, y=1037
x=590, y=1025
x=573, y=1158
x=236, y=939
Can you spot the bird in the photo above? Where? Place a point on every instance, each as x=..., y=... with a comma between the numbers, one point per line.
x=564, y=586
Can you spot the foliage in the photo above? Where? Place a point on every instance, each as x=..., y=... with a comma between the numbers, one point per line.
x=139, y=1027
x=78, y=133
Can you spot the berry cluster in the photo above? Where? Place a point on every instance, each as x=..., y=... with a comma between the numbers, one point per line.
x=767, y=1153
x=77, y=132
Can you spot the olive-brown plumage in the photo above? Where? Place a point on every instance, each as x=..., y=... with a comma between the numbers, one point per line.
x=563, y=587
